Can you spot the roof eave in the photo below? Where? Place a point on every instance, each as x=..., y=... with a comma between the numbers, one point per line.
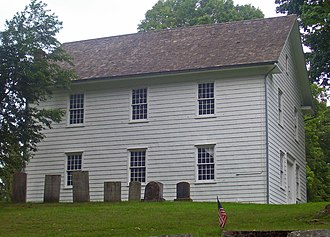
x=263, y=68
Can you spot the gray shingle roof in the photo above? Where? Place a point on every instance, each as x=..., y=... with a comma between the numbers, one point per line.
x=182, y=49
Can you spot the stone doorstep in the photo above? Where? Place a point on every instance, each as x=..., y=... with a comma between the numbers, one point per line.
x=180, y=235
x=302, y=233
x=310, y=233
x=256, y=233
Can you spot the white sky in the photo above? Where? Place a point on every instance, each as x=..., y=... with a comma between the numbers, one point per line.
x=85, y=19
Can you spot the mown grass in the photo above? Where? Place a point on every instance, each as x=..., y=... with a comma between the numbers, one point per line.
x=152, y=219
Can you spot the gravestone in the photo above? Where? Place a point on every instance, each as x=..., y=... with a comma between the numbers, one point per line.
x=183, y=192
x=112, y=191
x=154, y=192
x=52, y=188
x=134, y=193
x=80, y=182
x=19, y=187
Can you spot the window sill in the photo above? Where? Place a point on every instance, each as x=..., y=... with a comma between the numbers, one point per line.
x=205, y=182
x=68, y=187
x=75, y=126
x=138, y=121
x=142, y=184
x=205, y=116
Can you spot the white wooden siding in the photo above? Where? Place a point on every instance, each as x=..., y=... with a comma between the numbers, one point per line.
x=283, y=138
x=170, y=136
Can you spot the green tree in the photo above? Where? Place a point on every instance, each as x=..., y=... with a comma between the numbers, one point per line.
x=179, y=13
x=30, y=57
x=314, y=18
x=317, y=132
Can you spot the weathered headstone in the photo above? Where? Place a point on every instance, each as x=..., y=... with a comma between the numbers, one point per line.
x=19, y=187
x=52, y=188
x=183, y=192
x=80, y=182
x=134, y=193
x=112, y=191
x=154, y=192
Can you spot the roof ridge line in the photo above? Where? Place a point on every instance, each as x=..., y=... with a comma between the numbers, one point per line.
x=180, y=28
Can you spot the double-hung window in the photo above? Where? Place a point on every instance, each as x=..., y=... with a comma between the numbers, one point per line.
x=205, y=163
x=298, y=192
x=282, y=174
x=296, y=123
x=280, y=107
x=73, y=163
x=139, y=104
x=138, y=165
x=206, y=99
x=76, y=109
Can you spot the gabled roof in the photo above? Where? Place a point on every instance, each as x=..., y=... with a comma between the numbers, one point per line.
x=233, y=44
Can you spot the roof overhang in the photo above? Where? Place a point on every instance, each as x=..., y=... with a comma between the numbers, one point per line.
x=243, y=70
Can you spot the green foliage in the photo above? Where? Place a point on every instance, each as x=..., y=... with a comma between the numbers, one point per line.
x=317, y=132
x=154, y=219
x=30, y=69
x=179, y=13
x=314, y=18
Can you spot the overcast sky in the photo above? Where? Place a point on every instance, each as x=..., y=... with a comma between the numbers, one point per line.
x=85, y=19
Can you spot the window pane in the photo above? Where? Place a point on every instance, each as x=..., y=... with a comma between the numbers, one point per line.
x=76, y=109
x=138, y=169
x=139, y=104
x=205, y=163
x=73, y=164
x=206, y=98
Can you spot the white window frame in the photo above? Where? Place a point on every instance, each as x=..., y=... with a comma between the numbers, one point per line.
x=199, y=100
x=296, y=123
x=198, y=164
x=286, y=64
x=282, y=172
x=75, y=109
x=280, y=107
x=137, y=104
x=298, y=185
x=66, y=174
x=130, y=167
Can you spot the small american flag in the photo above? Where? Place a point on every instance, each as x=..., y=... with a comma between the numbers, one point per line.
x=221, y=215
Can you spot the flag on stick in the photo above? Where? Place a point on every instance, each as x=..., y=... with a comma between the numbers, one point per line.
x=221, y=215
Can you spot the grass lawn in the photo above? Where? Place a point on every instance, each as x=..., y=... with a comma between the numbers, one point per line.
x=152, y=219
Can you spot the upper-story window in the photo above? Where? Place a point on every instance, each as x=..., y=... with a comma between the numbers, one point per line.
x=280, y=107
x=286, y=64
x=76, y=109
x=296, y=123
x=206, y=99
x=139, y=103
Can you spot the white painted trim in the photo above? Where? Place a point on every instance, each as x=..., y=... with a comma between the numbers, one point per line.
x=196, y=163
x=197, y=115
x=291, y=160
x=129, y=150
x=66, y=166
x=77, y=125
x=130, y=120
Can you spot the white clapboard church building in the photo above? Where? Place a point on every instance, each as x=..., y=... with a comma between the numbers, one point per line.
x=219, y=106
